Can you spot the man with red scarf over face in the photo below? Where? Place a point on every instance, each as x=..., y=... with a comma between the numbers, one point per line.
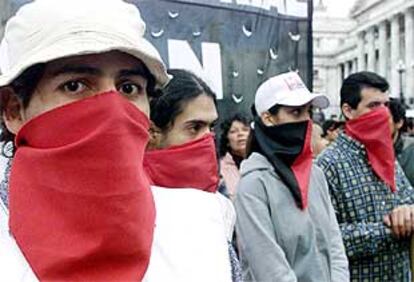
x=75, y=81
x=373, y=199
x=285, y=221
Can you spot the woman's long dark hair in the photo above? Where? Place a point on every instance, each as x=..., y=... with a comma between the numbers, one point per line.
x=183, y=87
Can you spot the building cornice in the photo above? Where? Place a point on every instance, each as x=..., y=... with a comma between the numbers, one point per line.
x=376, y=16
x=364, y=7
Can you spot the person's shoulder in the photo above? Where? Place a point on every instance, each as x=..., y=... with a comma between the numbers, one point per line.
x=255, y=164
x=227, y=160
x=329, y=157
x=253, y=172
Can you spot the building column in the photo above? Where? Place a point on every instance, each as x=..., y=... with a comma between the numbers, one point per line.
x=334, y=83
x=395, y=56
x=409, y=53
x=355, y=65
x=4, y=14
x=371, y=48
x=382, y=48
x=361, y=51
x=348, y=68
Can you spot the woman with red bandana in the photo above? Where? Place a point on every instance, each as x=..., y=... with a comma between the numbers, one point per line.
x=194, y=223
x=286, y=224
x=76, y=77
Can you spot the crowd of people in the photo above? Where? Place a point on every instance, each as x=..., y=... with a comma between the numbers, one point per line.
x=115, y=173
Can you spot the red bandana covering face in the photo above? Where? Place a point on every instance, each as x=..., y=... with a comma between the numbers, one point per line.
x=80, y=204
x=373, y=130
x=190, y=165
x=303, y=165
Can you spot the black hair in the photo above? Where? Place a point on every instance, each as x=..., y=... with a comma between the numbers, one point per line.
x=274, y=109
x=251, y=141
x=183, y=87
x=329, y=125
x=353, y=84
x=225, y=128
x=408, y=125
x=397, y=110
x=151, y=90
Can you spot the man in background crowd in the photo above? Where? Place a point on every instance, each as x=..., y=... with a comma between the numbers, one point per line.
x=319, y=143
x=403, y=143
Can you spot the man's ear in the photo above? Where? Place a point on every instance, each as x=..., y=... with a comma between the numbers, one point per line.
x=11, y=109
x=347, y=111
x=266, y=118
x=155, y=137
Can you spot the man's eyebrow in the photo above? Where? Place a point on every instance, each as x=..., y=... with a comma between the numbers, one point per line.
x=133, y=72
x=193, y=121
x=374, y=103
x=77, y=69
x=201, y=122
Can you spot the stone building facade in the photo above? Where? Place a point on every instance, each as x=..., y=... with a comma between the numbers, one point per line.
x=4, y=14
x=378, y=35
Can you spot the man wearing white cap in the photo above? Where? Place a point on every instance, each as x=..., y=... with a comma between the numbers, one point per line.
x=75, y=81
x=285, y=220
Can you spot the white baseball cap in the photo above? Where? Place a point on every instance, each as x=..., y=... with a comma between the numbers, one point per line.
x=286, y=89
x=45, y=30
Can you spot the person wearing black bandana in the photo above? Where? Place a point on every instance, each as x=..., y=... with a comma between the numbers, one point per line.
x=286, y=224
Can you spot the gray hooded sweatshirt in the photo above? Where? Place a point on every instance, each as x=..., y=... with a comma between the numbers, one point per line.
x=280, y=242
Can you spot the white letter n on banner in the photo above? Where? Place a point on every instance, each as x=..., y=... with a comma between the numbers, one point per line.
x=182, y=56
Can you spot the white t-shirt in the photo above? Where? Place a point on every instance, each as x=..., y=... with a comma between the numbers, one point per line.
x=13, y=264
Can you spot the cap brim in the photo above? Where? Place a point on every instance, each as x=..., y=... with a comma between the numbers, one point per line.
x=84, y=45
x=320, y=101
x=304, y=97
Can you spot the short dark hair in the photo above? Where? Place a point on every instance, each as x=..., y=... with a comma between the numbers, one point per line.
x=330, y=124
x=274, y=109
x=183, y=87
x=225, y=128
x=353, y=84
x=397, y=110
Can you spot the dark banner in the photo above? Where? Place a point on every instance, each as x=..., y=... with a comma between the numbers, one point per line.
x=233, y=44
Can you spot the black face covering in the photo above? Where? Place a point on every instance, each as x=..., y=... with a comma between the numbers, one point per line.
x=288, y=148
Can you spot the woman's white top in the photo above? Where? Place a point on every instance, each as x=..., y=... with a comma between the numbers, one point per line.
x=191, y=236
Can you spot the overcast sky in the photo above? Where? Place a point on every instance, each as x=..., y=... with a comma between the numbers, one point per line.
x=338, y=8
